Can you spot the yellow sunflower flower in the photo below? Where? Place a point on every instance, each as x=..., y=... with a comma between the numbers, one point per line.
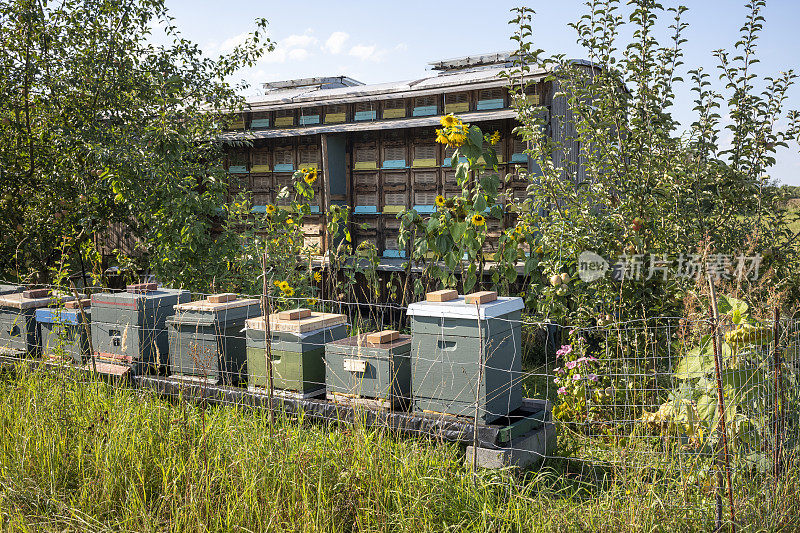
x=441, y=138
x=448, y=121
x=270, y=209
x=284, y=285
x=290, y=221
x=457, y=139
x=311, y=301
x=518, y=230
x=440, y=201
x=317, y=277
x=289, y=291
x=276, y=283
x=310, y=176
x=495, y=138
x=478, y=220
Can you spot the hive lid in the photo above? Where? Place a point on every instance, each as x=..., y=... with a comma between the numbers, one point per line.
x=127, y=299
x=312, y=322
x=361, y=341
x=19, y=301
x=214, y=307
x=141, y=288
x=77, y=304
x=382, y=337
x=458, y=308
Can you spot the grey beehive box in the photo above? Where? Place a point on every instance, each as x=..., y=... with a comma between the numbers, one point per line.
x=10, y=289
x=446, y=350
x=206, y=338
x=63, y=332
x=357, y=368
x=130, y=327
x=19, y=333
x=297, y=349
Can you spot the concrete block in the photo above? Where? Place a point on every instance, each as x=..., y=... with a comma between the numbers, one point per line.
x=526, y=451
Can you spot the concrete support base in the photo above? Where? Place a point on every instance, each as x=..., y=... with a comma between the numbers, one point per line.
x=525, y=451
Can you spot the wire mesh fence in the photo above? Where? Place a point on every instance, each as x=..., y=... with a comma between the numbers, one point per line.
x=706, y=409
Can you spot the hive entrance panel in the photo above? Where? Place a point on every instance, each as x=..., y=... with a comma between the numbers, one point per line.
x=491, y=99
x=366, y=202
x=260, y=120
x=284, y=118
x=365, y=111
x=394, y=109
x=425, y=154
x=394, y=201
x=237, y=161
x=309, y=116
x=284, y=159
x=395, y=180
x=518, y=147
x=394, y=155
x=260, y=160
x=309, y=157
x=262, y=182
x=365, y=180
x=456, y=102
x=425, y=106
x=365, y=156
x=335, y=114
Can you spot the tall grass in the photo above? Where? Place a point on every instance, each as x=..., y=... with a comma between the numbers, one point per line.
x=77, y=454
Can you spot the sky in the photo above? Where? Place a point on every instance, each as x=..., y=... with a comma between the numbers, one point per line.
x=381, y=41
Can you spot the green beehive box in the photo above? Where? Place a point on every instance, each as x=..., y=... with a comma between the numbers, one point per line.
x=297, y=348
x=206, y=338
x=357, y=367
x=446, y=351
x=129, y=327
x=19, y=334
x=64, y=333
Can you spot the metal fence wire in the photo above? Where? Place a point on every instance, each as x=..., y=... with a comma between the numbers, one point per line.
x=708, y=408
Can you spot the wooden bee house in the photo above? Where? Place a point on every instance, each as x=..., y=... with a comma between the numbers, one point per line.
x=450, y=339
x=376, y=366
x=298, y=340
x=206, y=340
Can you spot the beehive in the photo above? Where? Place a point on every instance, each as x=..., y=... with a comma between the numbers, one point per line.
x=359, y=367
x=64, y=333
x=490, y=99
x=260, y=120
x=284, y=118
x=130, y=327
x=19, y=334
x=297, y=346
x=335, y=114
x=446, y=351
x=365, y=111
x=10, y=289
x=206, y=340
x=425, y=106
x=309, y=116
x=260, y=160
x=394, y=109
x=456, y=103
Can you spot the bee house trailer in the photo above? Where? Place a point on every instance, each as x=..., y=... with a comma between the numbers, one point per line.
x=450, y=336
x=298, y=340
x=206, y=338
x=19, y=333
x=64, y=331
x=129, y=328
x=374, y=366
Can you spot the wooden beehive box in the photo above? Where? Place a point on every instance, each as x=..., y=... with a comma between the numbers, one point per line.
x=64, y=332
x=19, y=331
x=447, y=340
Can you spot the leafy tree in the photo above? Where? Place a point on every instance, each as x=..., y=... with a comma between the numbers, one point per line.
x=100, y=127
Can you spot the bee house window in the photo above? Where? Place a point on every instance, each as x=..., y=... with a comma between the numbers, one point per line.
x=262, y=182
x=365, y=111
x=366, y=202
x=335, y=114
x=284, y=118
x=394, y=109
x=366, y=157
x=395, y=179
x=518, y=154
x=424, y=155
x=237, y=162
x=365, y=180
x=394, y=156
x=309, y=157
x=309, y=116
x=425, y=106
x=394, y=202
x=260, y=158
x=448, y=157
x=456, y=103
x=490, y=99
x=284, y=160
x=391, y=248
x=260, y=120
x=392, y=224
x=425, y=179
x=236, y=122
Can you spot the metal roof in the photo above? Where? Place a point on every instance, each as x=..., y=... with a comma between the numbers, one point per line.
x=325, y=82
x=415, y=122
x=448, y=81
x=472, y=61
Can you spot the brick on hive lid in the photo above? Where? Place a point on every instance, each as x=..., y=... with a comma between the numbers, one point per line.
x=141, y=288
x=382, y=337
x=294, y=314
x=36, y=293
x=444, y=295
x=481, y=297
x=75, y=304
x=222, y=298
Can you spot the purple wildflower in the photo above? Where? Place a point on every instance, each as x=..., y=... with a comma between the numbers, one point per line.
x=571, y=364
x=576, y=377
x=562, y=390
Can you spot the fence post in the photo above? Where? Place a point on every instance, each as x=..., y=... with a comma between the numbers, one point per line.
x=477, y=393
x=723, y=457
x=776, y=361
x=267, y=336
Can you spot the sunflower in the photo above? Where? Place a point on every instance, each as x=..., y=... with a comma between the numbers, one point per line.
x=448, y=121
x=478, y=220
x=311, y=301
x=289, y=221
x=284, y=285
x=276, y=283
x=289, y=291
x=518, y=230
x=495, y=138
x=317, y=277
x=270, y=209
x=310, y=176
x=440, y=201
x=457, y=139
x=441, y=138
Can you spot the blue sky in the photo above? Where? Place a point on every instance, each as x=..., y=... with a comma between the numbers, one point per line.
x=390, y=41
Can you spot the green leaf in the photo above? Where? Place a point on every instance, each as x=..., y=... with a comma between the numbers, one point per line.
x=480, y=203
x=727, y=305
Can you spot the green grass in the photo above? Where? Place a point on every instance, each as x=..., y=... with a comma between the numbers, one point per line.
x=81, y=455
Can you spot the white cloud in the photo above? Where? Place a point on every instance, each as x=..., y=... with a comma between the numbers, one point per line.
x=297, y=54
x=229, y=44
x=363, y=52
x=298, y=41
x=335, y=43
